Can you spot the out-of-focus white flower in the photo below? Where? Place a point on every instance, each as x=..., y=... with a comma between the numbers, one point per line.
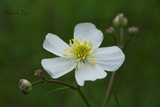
x=82, y=54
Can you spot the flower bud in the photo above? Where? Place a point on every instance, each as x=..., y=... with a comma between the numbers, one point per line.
x=120, y=20
x=25, y=86
x=133, y=30
x=110, y=30
x=38, y=73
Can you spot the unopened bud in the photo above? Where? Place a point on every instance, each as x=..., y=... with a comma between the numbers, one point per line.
x=38, y=73
x=25, y=86
x=120, y=20
x=133, y=30
x=110, y=30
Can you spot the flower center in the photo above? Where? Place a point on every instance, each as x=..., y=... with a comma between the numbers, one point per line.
x=80, y=51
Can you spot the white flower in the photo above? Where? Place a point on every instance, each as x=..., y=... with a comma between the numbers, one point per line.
x=82, y=54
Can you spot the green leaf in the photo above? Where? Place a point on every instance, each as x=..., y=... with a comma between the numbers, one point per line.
x=115, y=95
x=58, y=89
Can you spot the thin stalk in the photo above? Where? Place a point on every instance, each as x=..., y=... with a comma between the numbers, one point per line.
x=131, y=37
x=68, y=85
x=54, y=81
x=121, y=37
x=120, y=45
x=114, y=38
x=109, y=89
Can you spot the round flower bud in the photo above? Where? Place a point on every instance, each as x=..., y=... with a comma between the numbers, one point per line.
x=38, y=73
x=110, y=30
x=120, y=20
x=133, y=30
x=25, y=86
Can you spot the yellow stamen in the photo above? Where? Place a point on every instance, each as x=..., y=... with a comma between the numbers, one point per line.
x=80, y=51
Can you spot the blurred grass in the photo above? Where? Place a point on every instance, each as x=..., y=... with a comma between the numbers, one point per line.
x=21, y=39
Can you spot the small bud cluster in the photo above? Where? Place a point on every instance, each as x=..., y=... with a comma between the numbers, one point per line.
x=25, y=86
x=120, y=21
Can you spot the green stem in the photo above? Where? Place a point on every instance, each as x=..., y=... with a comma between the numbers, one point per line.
x=68, y=85
x=83, y=97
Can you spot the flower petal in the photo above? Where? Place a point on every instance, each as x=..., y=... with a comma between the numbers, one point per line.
x=54, y=44
x=89, y=72
x=57, y=67
x=88, y=32
x=109, y=58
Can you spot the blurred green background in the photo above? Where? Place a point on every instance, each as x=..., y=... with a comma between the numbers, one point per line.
x=22, y=36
